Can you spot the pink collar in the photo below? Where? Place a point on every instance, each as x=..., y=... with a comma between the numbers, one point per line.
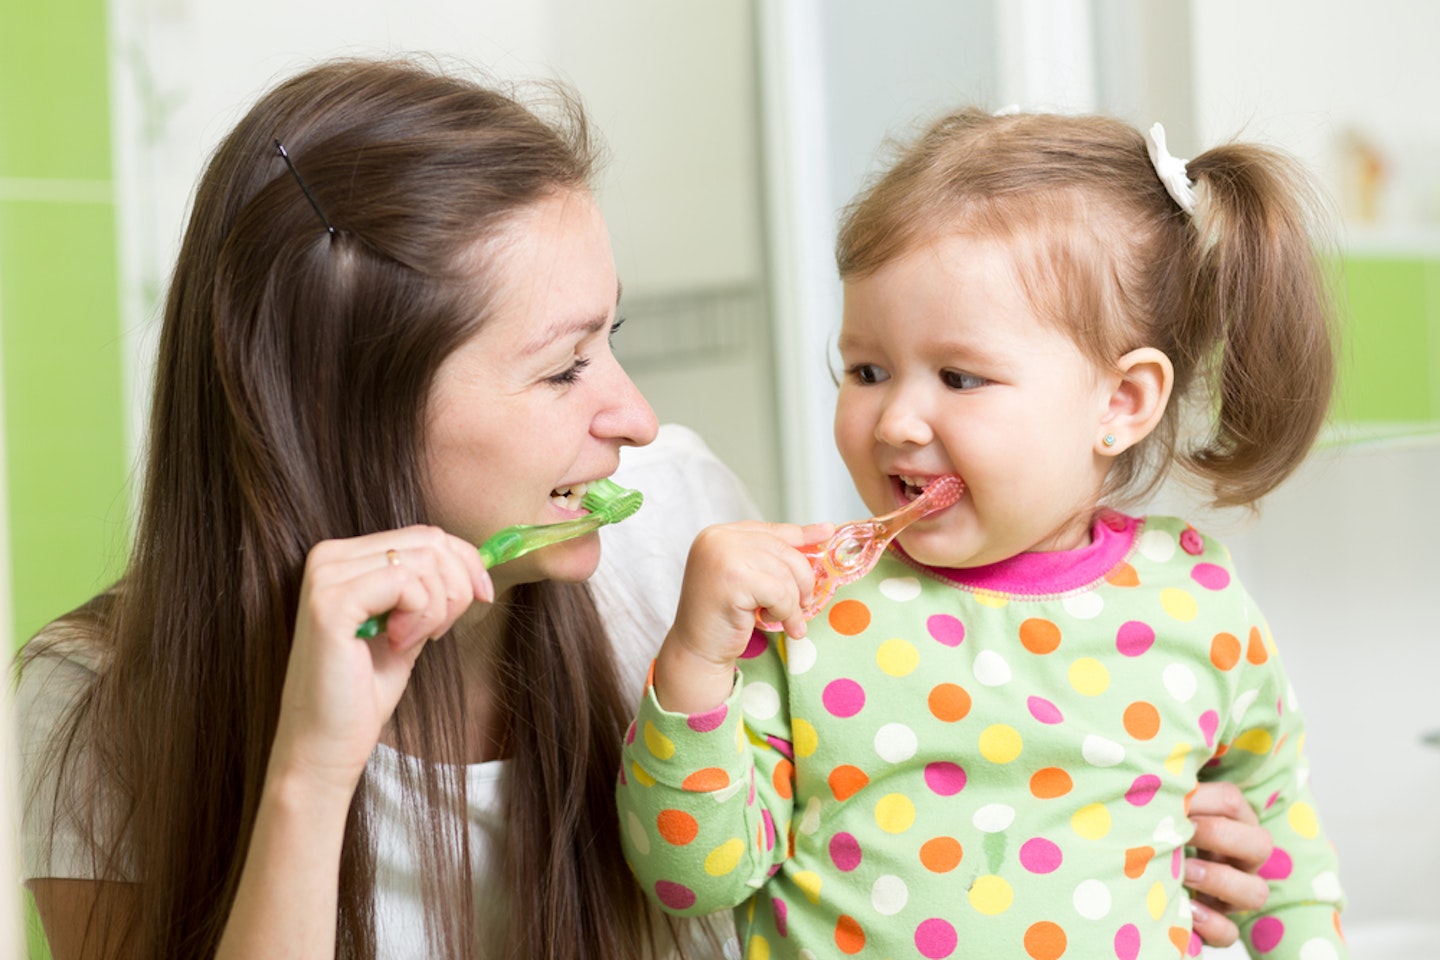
x=1062, y=571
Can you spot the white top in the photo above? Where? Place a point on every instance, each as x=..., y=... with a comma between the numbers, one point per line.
x=637, y=587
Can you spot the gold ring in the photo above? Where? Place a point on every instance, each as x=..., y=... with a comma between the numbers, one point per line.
x=393, y=557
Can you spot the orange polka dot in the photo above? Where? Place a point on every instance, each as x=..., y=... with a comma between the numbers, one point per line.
x=1188, y=797
x=706, y=780
x=1256, y=652
x=1136, y=860
x=677, y=827
x=1124, y=575
x=784, y=779
x=849, y=617
x=949, y=702
x=1181, y=938
x=1039, y=635
x=1142, y=720
x=941, y=855
x=1050, y=783
x=1045, y=941
x=846, y=781
x=1225, y=651
x=848, y=935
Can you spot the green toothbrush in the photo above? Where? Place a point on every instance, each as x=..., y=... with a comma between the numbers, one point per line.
x=607, y=501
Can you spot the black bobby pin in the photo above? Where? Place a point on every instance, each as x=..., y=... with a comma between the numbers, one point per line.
x=304, y=189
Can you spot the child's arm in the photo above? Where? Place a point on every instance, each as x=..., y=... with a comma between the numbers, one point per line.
x=1262, y=754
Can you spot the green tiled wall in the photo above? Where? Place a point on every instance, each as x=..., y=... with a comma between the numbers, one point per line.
x=64, y=428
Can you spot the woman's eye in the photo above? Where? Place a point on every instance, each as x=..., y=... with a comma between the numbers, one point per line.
x=867, y=373
x=570, y=374
x=957, y=380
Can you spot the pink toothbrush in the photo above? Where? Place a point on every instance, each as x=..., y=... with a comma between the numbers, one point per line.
x=855, y=548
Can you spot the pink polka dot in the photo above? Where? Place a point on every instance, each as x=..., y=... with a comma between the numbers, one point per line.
x=768, y=822
x=845, y=852
x=783, y=747
x=944, y=777
x=1195, y=944
x=843, y=698
x=1039, y=855
x=630, y=733
x=1191, y=542
x=1278, y=867
x=1134, y=638
x=1143, y=790
x=945, y=628
x=676, y=896
x=935, y=938
x=758, y=644
x=1127, y=942
x=1270, y=801
x=707, y=721
x=1267, y=934
x=1211, y=577
x=1209, y=723
x=1177, y=861
x=1044, y=711
x=782, y=916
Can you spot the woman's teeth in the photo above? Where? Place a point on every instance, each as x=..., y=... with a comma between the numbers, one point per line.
x=569, y=498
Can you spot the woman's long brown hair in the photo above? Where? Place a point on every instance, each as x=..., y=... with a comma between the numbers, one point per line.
x=289, y=404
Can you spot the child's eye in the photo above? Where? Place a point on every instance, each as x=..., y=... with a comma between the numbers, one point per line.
x=615, y=328
x=570, y=374
x=958, y=380
x=867, y=373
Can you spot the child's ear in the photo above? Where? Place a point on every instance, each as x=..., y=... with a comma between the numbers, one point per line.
x=1138, y=401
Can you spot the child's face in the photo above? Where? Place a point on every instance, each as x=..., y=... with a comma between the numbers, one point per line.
x=948, y=369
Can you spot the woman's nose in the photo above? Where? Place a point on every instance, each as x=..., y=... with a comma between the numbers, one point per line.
x=625, y=414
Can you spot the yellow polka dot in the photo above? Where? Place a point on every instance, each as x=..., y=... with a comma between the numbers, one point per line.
x=659, y=745
x=1254, y=741
x=725, y=857
x=809, y=883
x=782, y=649
x=759, y=949
x=1303, y=820
x=991, y=895
x=1175, y=763
x=1089, y=676
x=741, y=733
x=1179, y=604
x=806, y=739
x=1000, y=743
x=1156, y=901
x=641, y=777
x=895, y=813
x=897, y=657
x=1091, y=822
x=989, y=598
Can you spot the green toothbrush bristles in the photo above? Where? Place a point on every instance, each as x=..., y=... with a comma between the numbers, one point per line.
x=607, y=501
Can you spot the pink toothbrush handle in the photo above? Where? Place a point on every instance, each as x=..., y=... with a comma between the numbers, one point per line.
x=853, y=550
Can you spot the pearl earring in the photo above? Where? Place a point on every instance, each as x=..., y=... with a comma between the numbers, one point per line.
x=1109, y=440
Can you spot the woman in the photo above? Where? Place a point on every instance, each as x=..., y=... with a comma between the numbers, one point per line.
x=386, y=338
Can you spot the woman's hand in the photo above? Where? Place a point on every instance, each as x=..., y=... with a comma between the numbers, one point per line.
x=340, y=690
x=1231, y=847
x=733, y=570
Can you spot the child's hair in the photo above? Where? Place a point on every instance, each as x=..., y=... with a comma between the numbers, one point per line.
x=1236, y=296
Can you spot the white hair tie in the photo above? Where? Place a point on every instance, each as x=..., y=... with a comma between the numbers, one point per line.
x=1171, y=170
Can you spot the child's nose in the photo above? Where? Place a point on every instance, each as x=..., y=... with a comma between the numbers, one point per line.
x=903, y=424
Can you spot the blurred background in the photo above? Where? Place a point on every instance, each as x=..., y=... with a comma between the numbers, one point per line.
x=737, y=129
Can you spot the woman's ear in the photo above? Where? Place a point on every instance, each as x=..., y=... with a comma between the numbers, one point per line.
x=1138, y=401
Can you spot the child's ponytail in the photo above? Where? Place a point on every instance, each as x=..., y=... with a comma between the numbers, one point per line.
x=1261, y=321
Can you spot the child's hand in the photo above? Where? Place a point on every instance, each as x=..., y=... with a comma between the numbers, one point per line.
x=733, y=570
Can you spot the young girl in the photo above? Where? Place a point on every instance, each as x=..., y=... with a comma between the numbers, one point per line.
x=991, y=741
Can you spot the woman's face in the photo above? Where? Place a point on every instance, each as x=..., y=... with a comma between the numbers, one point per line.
x=535, y=404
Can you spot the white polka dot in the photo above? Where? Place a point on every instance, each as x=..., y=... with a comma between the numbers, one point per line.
x=1180, y=682
x=889, y=895
x=732, y=949
x=1084, y=606
x=760, y=700
x=805, y=954
x=638, y=836
x=994, y=817
x=1092, y=900
x=1099, y=752
x=900, y=589
x=810, y=822
x=730, y=789
x=1318, y=949
x=799, y=655
x=1326, y=886
x=1156, y=545
x=991, y=669
x=1242, y=703
x=895, y=742
x=1166, y=834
